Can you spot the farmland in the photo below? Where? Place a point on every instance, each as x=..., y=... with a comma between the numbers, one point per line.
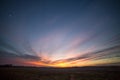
x=35, y=73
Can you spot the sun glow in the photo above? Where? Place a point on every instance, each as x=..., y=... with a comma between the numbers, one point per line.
x=66, y=64
x=61, y=65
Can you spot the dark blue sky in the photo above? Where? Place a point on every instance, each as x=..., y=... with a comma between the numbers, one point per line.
x=54, y=31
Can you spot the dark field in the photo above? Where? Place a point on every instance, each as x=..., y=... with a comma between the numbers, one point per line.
x=86, y=73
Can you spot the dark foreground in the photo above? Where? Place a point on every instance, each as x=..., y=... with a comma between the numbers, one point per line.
x=85, y=73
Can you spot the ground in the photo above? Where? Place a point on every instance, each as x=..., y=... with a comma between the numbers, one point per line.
x=25, y=73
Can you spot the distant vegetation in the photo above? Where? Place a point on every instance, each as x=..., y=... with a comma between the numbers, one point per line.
x=6, y=65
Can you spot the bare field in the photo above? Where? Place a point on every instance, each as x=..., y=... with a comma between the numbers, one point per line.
x=14, y=73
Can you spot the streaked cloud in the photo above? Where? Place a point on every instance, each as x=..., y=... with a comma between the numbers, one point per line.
x=60, y=33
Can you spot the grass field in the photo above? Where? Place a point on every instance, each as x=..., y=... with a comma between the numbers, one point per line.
x=15, y=73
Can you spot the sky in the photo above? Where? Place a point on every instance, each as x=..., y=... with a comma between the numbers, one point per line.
x=60, y=33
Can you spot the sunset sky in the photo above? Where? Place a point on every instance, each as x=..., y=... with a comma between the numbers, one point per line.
x=60, y=33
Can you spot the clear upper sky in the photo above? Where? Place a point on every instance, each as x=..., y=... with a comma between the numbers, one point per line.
x=60, y=32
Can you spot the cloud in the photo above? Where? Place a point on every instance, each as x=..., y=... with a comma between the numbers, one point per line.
x=93, y=55
x=8, y=50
